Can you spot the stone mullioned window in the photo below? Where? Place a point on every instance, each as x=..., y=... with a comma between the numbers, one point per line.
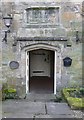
x=43, y=15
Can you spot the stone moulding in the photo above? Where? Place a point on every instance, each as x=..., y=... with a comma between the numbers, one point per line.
x=41, y=46
x=42, y=32
x=41, y=38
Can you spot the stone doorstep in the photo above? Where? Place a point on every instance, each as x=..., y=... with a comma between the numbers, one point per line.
x=40, y=97
x=40, y=100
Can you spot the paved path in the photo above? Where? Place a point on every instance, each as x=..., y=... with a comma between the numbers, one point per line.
x=34, y=110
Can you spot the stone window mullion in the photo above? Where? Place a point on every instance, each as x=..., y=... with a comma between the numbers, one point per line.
x=43, y=15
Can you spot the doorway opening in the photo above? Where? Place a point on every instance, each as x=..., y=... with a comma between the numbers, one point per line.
x=41, y=71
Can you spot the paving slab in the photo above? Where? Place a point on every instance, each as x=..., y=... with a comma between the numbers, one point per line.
x=58, y=109
x=18, y=115
x=22, y=108
x=35, y=110
x=40, y=97
x=54, y=116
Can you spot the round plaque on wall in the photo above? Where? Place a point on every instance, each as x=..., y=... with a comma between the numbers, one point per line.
x=14, y=64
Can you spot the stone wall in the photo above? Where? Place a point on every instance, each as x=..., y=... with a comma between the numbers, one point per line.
x=66, y=76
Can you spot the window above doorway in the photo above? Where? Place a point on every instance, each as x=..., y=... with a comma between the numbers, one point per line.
x=43, y=15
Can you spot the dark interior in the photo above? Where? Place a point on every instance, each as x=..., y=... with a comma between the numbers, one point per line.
x=40, y=84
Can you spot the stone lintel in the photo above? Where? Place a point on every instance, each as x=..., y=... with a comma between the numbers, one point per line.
x=41, y=38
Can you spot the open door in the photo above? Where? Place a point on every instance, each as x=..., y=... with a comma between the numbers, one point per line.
x=41, y=71
x=27, y=72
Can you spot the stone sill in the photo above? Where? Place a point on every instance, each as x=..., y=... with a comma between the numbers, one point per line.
x=42, y=25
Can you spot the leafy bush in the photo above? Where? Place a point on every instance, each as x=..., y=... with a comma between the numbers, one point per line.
x=8, y=92
x=73, y=97
x=76, y=103
x=82, y=91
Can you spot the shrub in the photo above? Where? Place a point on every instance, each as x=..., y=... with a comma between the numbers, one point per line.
x=76, y=102
x=81, y=91
x=8, y=92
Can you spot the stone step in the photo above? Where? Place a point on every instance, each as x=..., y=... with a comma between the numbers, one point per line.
x=40, y=97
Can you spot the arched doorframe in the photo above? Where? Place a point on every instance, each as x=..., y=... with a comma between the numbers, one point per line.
x=35, y=47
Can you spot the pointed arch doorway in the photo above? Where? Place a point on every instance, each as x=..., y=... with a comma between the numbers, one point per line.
x=41, y=70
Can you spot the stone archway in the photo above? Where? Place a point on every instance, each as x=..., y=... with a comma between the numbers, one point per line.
x=34, y=47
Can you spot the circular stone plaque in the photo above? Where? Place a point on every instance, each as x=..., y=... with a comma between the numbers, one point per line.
x=14, y=64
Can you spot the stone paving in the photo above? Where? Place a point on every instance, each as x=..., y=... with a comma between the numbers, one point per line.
x=40, y=97
x=34, y=110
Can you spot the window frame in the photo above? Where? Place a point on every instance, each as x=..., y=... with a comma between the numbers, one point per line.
x=43, y=11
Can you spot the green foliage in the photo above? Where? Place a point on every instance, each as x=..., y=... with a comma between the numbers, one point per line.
x=66, y=93
x=58, y=99
x=11, y=90
x=8, y=92
x=82, y=91
x=76, y=103
x=74, y=97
